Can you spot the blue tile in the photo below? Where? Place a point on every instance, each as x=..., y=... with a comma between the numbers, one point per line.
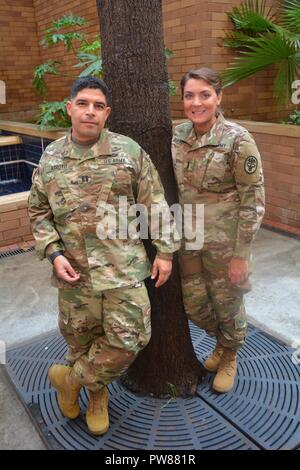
x=28, y=170
x=2, y=172
x=20, y=172
x=12, y=188
x=31, y=150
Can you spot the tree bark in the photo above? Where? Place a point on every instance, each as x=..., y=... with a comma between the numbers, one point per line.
x=135, y=70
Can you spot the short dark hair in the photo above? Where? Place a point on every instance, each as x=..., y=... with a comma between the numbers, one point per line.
x=204, y=73
x=89, y=82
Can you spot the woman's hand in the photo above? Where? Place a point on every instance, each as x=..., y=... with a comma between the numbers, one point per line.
x=161, y=270
x=238, y=270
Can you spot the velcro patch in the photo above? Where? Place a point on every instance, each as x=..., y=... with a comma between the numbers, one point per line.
x=251, y=164
x=248, y=163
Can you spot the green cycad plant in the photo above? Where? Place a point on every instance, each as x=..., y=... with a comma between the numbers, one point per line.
x=265, y=37
x=88, y=54
x=53, y=113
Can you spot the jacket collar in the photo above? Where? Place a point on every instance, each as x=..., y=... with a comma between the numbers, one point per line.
x=211, y=137
x=101, y=147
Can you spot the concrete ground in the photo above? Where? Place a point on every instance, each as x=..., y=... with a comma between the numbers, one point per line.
x=274, y=302
x=28, y=301
x=29, y=309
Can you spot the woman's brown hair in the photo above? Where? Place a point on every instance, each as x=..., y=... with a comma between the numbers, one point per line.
x=204, y=73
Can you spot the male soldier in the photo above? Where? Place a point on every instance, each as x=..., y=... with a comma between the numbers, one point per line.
x=104, y=310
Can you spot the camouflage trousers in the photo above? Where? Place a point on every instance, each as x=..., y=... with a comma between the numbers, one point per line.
x=211, y=301
x=104, y=331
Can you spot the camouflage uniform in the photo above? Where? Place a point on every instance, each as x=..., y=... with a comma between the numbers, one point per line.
x=105, y=316
x=221, y=170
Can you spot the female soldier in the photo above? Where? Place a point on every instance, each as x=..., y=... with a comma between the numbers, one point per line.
x=217, y=165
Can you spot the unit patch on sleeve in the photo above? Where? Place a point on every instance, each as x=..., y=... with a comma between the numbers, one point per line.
x=248, y=162
x=251, y=164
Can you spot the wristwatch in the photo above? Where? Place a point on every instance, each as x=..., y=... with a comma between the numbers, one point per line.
x=54, y=255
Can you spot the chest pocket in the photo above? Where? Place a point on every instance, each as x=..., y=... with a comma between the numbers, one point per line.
x=122, y=185
x=89, y=191
x=63, y=200
x=106, y=189
x=217, y=165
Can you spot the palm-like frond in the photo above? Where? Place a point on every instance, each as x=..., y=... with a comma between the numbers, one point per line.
x=291, y=37
x=237, y=39
x=291, y=15
x=267, y=50
x=252, y=16
x=288, y=72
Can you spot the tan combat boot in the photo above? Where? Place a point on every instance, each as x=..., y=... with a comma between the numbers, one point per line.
x=212, y=362
x=68, y=389
x=225, y=376
x=97, y=412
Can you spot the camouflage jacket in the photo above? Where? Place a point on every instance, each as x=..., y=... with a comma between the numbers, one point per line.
x=75, y=194
x=221, y=169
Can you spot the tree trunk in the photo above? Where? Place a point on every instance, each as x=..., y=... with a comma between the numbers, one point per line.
x=135, y=70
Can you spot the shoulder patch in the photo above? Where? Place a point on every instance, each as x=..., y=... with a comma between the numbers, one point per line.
x=251, y=164
x=248, y=168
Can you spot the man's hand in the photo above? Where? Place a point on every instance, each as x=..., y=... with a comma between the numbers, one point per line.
x=238, y=270
x=161, y=268
x=64, y=270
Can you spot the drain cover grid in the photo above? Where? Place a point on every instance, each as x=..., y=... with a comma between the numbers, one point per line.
x=262, y=411
x=265, y=402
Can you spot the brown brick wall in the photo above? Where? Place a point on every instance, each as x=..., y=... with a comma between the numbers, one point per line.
x=193, y=30
x=46, y=12
x=281, y=163
x=19, y=54
x=14, y=222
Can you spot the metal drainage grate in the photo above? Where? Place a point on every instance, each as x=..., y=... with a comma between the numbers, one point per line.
x=17, y=251
x=265, y=402
x=262, y=412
